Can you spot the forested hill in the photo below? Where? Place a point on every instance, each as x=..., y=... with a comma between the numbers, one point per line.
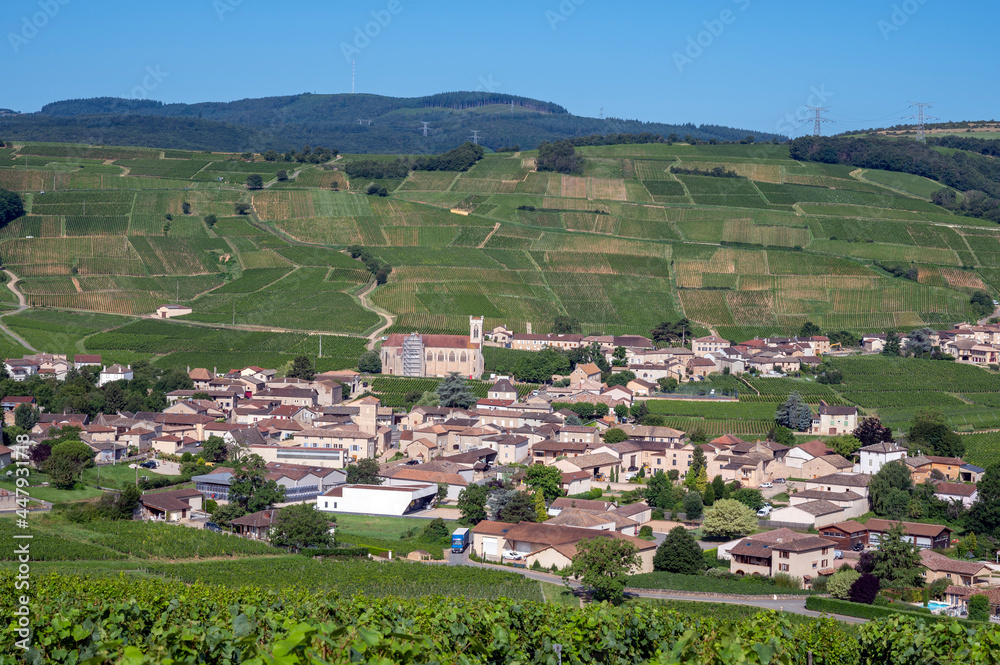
x=357, y=123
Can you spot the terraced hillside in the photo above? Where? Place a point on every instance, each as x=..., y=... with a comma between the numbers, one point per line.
x=626, y=245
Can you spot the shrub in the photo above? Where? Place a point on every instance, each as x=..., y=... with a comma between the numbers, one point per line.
x=657, y=515
x=786, y=581
x=839, y=584
x=865, y=589
x=646, y=532
x=979, y=608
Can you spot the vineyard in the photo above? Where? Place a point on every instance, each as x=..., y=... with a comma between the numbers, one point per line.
x=623, y=247
x=150, y=621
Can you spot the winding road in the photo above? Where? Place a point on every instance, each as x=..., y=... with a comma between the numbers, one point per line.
x=390, y=318
x=22, y=304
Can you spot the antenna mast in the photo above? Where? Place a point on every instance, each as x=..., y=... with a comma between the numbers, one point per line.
x=818, y=124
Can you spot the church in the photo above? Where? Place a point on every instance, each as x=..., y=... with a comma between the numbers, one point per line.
x=435, y=355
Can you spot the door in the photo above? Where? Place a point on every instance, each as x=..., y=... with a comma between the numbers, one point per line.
x=490, y=546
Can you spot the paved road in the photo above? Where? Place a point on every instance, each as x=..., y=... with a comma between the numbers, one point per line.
x=793, y=605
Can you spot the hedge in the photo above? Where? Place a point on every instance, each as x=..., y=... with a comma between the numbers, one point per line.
x=336, y=551
x=745, y=586
x=863, y=611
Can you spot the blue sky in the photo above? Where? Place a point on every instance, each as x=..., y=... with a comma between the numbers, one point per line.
x=745, y=63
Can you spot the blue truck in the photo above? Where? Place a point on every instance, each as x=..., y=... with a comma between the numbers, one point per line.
x=459, y=540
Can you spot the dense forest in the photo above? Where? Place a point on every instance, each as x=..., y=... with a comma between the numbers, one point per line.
x=352, y=123
x=975, y=174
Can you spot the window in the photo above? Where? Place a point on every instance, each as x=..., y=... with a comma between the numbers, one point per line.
x=675, y=462
x=814, y=564
x=659, y=460
x=430, y=356
x=825, y=550
x=824, y=562
x=783, y=567
x=441, y=356
x=451, y=357
x=783, y=555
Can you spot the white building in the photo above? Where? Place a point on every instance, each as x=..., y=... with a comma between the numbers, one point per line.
x=873, y=458
x=114, y=373
x=377, y=499
x=170, y=311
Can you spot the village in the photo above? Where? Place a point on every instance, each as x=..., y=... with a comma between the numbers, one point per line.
x=309, y=433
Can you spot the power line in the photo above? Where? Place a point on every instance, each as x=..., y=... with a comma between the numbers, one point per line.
x=475, y=136
x=819, y=120
x=425, y=126
x=921, y=117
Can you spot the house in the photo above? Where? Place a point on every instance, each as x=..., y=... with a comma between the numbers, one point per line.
x=846, y=534
x=86, y=360
x=5, y=456
x=923, y=466
x=925, y=536
x=961, y=492
x=852, y=503
x=872, y=458
x=114, y=373
x=586, y=519
x=563, y=502
x=959, y=573
x=579, y=433
x=704, y=346
x=546, y=451
x=599, y=465
x=586, y=376
x=834, y=420
x=841, y=482
x=575, y=482
x=817, y=514
x=395, y=500
x=826, y=465
x=536, y=342
x=20, y=369
x=255, y=526
x=958, y=597
x=170, y=444
x=701, y=367
x=970, y=473
x=10, y=403
x=170, y=311
x=783, y=551
x=641, y=387
x=421, y=449
x=547, y=544
x=503, y=389
x=873, y=343
x=169, y=506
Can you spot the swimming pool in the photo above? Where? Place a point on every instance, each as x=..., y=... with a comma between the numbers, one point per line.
x=936, y=605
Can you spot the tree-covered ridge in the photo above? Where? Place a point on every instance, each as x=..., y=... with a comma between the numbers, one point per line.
x=358, y=123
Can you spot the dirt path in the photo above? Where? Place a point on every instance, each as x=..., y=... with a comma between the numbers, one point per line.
x=390, y=318
x=996, y=313
x=76, y=283
x=22, y=304
x=488, y=236
x=291, y=177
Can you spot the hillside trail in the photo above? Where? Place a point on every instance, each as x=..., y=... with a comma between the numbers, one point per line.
x=488, y=236
x=295, y=174
x=389, y=317
x=22, y=304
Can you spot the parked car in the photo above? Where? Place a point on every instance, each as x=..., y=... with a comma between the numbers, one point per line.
x=212, y=526
x=858, y=547
x=766, y=486
x=780, y=481
x=764, y=512
x=148, y=465
x=512, y=554
x=413, y=461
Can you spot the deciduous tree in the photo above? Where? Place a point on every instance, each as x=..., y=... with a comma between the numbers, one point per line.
x=544, y=479
x=679, y=553
x=364, y=472
x=472, y=503
x=889, y=490
x=615, y=435
x=603, y=564
x=870, y=431
x=370, y=363
x=302, y=368
x=300, y=526
x=729, y=518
